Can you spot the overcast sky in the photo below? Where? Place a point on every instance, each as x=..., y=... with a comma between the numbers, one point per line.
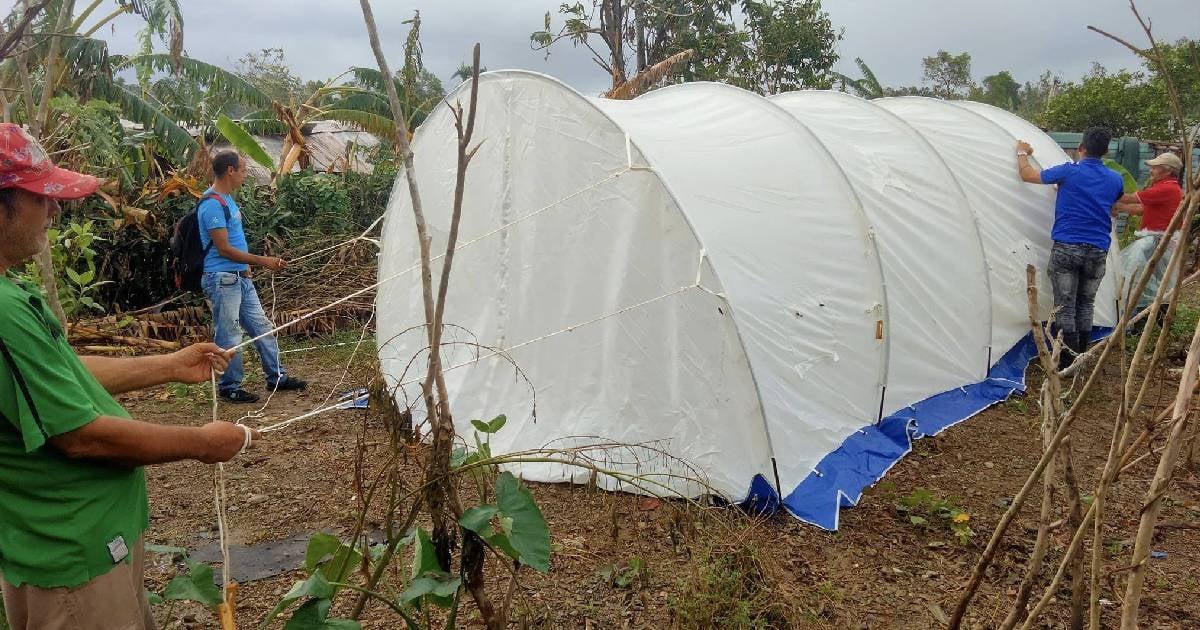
x=321, y=38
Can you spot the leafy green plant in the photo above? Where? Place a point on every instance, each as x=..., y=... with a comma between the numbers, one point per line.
x=507, y=519
x=627, y=573
x=194, y=586
x=74, y=257
x=923, y=509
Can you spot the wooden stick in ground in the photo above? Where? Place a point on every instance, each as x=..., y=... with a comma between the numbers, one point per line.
x=1072, y=550
x=1158, y=487
x=423, y=238
x=1052, y=387
x=1038, y=555
x=989, y=552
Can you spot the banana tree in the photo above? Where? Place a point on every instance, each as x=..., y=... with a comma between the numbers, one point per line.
x=51, y=47
x=356, y=105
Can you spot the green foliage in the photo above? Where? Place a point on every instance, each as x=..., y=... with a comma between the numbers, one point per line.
x=925, y=510
x=178, y=144
x=1127, y=103
x=73, y=255
x=515, y=524
x=626, y=574
x=999, y=89
x=197, y=586
x=1182, y=59
x=306, y=201
x=778, y=45
x=89, y=137
x=244, y=142
x=948, y=75
x=335, y=559
x=423, y=92
x=268, y=72
x=868, y=86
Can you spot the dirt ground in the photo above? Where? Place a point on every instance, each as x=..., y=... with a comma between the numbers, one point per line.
x=879, y=571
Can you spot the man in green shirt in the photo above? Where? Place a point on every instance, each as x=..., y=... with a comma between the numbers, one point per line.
x=73, y=501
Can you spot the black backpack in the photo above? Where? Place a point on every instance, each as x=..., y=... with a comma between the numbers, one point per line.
x=187, y=253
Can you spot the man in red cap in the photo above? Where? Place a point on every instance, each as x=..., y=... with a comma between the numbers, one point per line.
x=73, y=502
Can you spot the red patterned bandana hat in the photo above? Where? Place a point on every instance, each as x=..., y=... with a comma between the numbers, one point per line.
x=24, y=165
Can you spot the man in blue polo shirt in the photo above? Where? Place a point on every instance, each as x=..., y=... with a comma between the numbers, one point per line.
x=1082, y=231
x=228, y=285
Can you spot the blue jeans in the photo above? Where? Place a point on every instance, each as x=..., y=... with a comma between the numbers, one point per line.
x=236, y=307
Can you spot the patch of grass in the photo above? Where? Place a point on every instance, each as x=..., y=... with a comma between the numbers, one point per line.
x=732, y=584
x=1179, y=333
x=333, y=349
x=191, y=395
x=1017, y=404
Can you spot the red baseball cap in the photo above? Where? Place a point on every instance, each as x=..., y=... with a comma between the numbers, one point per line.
x=24, y=165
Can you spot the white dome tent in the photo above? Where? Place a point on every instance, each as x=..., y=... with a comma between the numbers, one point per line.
x=781, y=292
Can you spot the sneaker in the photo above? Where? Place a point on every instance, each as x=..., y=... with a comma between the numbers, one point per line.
x=288, y=383
x=239, y=396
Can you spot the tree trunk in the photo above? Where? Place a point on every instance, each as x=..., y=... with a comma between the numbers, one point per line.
x=639, y=18
x=45, y=258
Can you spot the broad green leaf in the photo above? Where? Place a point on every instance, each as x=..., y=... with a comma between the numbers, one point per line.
x=79, y=281
x=530, y=536
x=458, y=457
x=478, y=519
x=336, y=559
x=196, y=586
x=425, y=557
x=918, y=520
x=1128, y=182
x=497, y=423
x=480, y=426
x=309, y=616
x=500, y=541
x=440, y=591
x=244, y=142
x=320, y=546
x=315, y=586
x=153, y=598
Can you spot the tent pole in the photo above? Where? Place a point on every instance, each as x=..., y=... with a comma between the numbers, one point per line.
x=882, y=396
x=778, y=486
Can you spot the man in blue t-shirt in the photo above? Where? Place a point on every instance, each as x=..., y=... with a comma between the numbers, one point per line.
x=226, y=282
x=1082, y=231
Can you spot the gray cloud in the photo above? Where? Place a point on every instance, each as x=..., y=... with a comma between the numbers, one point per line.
x=322, y=38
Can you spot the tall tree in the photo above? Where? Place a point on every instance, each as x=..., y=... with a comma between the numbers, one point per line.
x=999, y=89
x=1033, y=97
x=948, y=75
x=1125, y=102
x=777, y=45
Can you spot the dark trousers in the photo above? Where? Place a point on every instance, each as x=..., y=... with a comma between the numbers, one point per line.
x=1076, y=270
